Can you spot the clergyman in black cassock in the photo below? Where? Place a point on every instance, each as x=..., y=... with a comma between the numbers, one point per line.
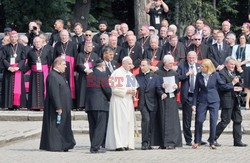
x=168, y=125
x=57, y=137
x=13, y=90
x=84, y=65
x=97, y=105
x=149, y=90
x=39, y=62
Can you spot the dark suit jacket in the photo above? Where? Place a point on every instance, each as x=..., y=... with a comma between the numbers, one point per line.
x=183, y=68
x=98, y=94
x=227, y=96
x=179, y=54
x=118, y=53
x=203, y=51
x=149, y=90
x=185, y=42
x=209, y=94
x=81, y=47
x=208, y=41
x=217, y=57
x=114, y=65
x=136, y=54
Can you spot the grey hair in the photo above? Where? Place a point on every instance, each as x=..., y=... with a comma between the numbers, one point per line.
x=232, y=36
x=154, y=37
x=228, y=59
x=167, y=58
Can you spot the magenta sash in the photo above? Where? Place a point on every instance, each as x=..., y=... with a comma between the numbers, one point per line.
x=17, y=86
x=71, y=61
x=27, y=83
x=45, y=71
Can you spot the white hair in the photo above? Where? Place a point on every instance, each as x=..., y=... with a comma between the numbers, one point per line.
x=232, y=36
x=24, y=39
x=154, y=37
x=168, y=58
x=173, y=28
x=126, y=59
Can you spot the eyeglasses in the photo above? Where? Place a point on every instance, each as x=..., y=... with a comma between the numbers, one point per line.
x=197, y=39
x=88, y=35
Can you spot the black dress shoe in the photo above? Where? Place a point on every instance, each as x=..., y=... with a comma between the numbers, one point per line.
x=98, y=151
x=170, y=147
x=150, y=148
x=189, y=144
x=161, y=147
x=66, y=150
x=240, y=144
x=217, y=144
x=144, y=148
x=203, y=143
x=120, y=149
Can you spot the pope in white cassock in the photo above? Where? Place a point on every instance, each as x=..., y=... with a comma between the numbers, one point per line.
x=120, y=131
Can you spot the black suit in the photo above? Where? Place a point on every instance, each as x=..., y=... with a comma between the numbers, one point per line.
x=208, y=41
x=186, y=99
x=108, y=69
x=218, y=58
x=97, y=107
x=118, y=53
x=149, y=90
x=230, y=109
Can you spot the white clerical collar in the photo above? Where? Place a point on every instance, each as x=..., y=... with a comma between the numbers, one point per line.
x=56, y=70
x=166, y=69
x=146, y=72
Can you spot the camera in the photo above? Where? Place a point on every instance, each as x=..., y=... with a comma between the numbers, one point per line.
x=34, y=28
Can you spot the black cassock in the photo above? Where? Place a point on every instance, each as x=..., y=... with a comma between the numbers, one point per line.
x=38, y=77
x=81, y=59
x=8, y=85
x=57, y=137
x=70, y=50
x=167, y=125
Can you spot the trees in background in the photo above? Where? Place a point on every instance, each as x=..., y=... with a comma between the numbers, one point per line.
x=17, y=14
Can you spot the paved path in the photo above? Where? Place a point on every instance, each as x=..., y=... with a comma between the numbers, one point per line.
x=27, y=152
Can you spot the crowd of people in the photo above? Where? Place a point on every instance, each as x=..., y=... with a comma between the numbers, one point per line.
x=109, y=74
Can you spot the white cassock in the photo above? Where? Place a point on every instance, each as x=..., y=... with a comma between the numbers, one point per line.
x=120, y=131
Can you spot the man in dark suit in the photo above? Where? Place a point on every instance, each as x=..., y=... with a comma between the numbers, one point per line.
x=149, y=91
x=230, y=105
x=118, y=50
x=207, y=37
x=103, y=25
x=187, y=74
x=108, y=56
x=219, y=51
x=97, y=106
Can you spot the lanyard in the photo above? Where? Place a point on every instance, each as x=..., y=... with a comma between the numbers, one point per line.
x=14, y=50
x=130, y=50
x=154, y=52
x=64, y=50
x=39, y=53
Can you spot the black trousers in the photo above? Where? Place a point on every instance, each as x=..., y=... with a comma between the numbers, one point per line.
x=187, y=118
x=228, y=114
x=147, y=122
x=97, y=128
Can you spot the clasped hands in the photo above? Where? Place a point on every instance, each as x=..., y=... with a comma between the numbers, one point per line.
x=13, y=69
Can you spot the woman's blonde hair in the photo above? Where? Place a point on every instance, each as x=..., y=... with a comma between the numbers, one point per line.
x=210, y=66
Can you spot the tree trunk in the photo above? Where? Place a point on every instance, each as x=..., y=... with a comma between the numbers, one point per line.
x=81, y=12
x=141, y=17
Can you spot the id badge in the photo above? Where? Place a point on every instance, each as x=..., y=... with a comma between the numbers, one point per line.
x=157, y=20
x=86, y=65
x=38, y=66
x=171, y=95
x=12, y=60
x=90, y=64
x=63, y=56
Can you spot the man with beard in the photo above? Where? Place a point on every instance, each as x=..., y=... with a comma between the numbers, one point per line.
x=103, y=25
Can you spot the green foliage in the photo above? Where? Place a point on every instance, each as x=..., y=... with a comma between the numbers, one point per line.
x=19, y=13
